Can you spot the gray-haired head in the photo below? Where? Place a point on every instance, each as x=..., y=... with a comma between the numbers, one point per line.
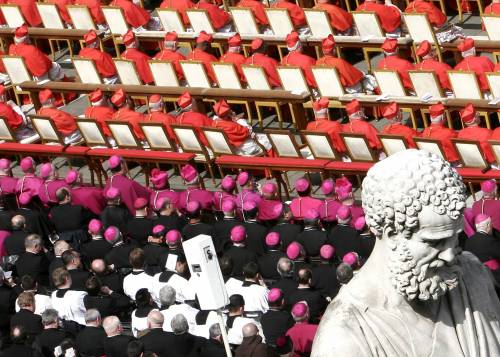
x=49, y=317
x=92, y=316
x=285, y=267
x=111, y=325
x=167, y=296
x=179, y=324
x=215, y=331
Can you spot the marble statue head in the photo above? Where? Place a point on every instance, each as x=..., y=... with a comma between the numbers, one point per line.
x=413, y=203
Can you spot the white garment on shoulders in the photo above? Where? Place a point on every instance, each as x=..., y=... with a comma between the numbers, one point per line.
x=135, y=281
x=42, y=303
x=184, y=309
x=70, y=306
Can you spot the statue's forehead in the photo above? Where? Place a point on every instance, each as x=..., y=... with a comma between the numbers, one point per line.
x=436, y=226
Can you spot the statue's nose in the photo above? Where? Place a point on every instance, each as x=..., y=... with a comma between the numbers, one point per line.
x=448, y=255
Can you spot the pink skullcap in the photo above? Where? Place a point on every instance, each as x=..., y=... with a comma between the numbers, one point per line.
x=344, y=212
x=27, y=164
x=243, y=178
x=360, y=223
x=158, y=230
x=326, y=251
x=71, y=177
x=350, y=258
x=269, y=188
x=173, y=236
x=112, y=193
x=46, y=170
x=228, y=183
x=249, y=205
x=302, y=185
x=193, y=207
x=274, y=295
x=111, y=234
x=24, y=198
x=160, y=179
x=238, y=234
x=114, y=161
x=4, y=164
x=488, y=186
x=228, y=205
x=300, y=309
x=481, y=218
x=311, y=214
x=272, y=239
x=343, y=188
x=95, y=226
x=140, y=203
x=293, y=250
x=188, y=173
x=327, y=186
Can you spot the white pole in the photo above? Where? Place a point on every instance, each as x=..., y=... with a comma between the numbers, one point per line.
x=224, y=333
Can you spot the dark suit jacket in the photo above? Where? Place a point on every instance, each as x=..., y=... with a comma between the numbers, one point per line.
x=31, y=322
x=36, y=265
x=89, y=341
x=48, y=340
x=116, y=346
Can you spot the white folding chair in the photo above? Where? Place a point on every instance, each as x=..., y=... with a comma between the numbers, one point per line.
x=92, y=133
x=244, y=21
x=292, y=79
x=123, y=134
x=280, y=21
x=218, y=141
x=389, y=82
x=170, y=20
x=13, y=15
x=50, y=16
x=117, y=24
x=430, y=145
x=495, y=147
x=319, y=22
x=420, y=30
x=127, y=72
x=156, y=136
x=470, y=153
x=368, y=26
x=285, y=145
x=6, y=133
x=18, y=73
x=494, y=83
x=358, y=148
x=163, y=73
x=464, y=85
x=86, y=70
x=227, y=78
x=492, y=26
x=328, y=81
x=194, y=72
x=392, y=144
x=81, y=17
x=199, y=20
x=46, y=129
x=320, y=145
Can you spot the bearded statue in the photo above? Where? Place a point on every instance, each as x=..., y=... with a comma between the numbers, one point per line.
x=418, y=294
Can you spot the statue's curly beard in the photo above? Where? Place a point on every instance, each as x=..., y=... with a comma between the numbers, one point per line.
x=424, y=283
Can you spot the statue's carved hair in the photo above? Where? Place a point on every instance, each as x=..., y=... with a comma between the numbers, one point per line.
x=396, y=189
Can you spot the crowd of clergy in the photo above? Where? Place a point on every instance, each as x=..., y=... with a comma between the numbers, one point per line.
x=92, y=271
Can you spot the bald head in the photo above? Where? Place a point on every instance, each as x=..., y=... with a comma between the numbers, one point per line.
x=98, y=266
x=18, y=222
x=249, y=330
x=112, y=325
x=155, y=319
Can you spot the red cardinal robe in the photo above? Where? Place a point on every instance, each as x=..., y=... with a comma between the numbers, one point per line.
x=218, y=17
x=37, y=62
x=165, y=119
x=103, y=61
x=61, y=8
x=434, y=14
x=237, y=59
x=132, y=117
x=257, y=10
x=269, y=65
x=332, y=128
x=295, y=11
x=135, y=15
x=130, y=190
x=362, y=127
x=480, y=65
x=303, y=61
x=439, y=68
x=141, y=63
x=237, y=134
x=174, y=57
x=29, y=10
x=206, y=58
x=400, y=65
x=349, y=75
x=180, y=6
x=403, y=130
x=340, y=19
x=482, y=135
x=492, y=9
x=65, y=123
x=100, y=114
x=389, y=16
x=13, y=119
x=95, y=10
x=439, y=132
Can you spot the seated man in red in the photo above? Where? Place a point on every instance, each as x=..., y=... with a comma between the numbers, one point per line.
x=436, y=17
x=62, y=10
x=15, y=117
x=396, y=63
x=140, y=58
x=295, y=11
x=170, y=53
x=234, y=56
x=200, y=53
x=322, y=124
x=438, y=131
x=64, y=122
x=394, y=115
x=260, y=58
x=100, y=110
x=431, y=63
x=257, y=9
x=493, y=8
x=340, y=20
x=240, y=136
x=126, y=113
x=350, y=77
x=295, y=57
x=357, y=125
x=474, y=132
x=388, y=15
x=95, y=9
x=478, y=64
x=135, y=16
x=220, y=19
x=180, y=6
x=29, y=10
x=190, y=117
x=157, y=114
x=103, y=60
